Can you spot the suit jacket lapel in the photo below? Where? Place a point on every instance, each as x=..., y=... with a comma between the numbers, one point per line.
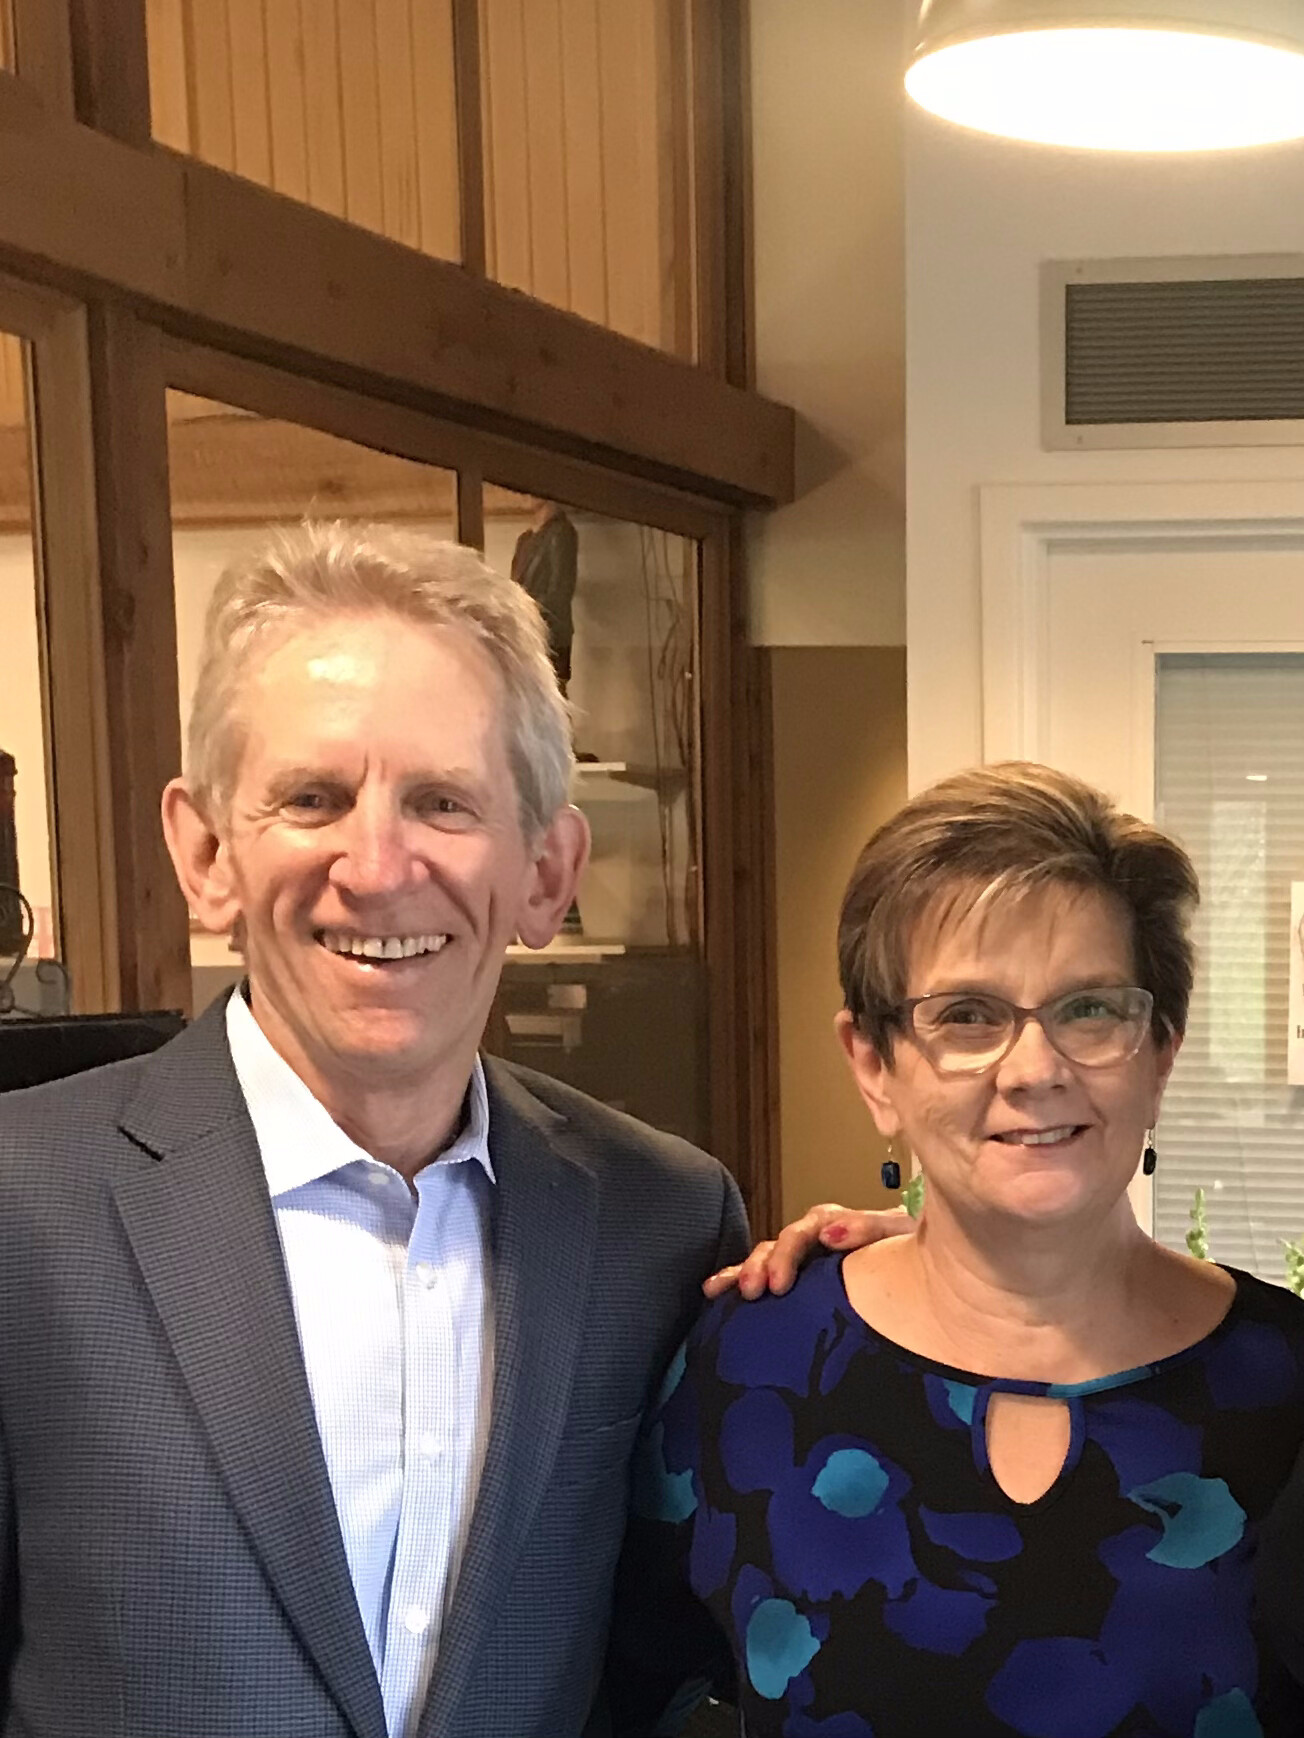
x=202, y=1230
x=545, y=1225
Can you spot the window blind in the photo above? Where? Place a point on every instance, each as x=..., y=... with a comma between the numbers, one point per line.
x=1229, y=783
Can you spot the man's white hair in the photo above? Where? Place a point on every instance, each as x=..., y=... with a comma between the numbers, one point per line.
x=317, y=572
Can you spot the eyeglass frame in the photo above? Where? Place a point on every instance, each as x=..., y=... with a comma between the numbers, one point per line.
x=905, y=1013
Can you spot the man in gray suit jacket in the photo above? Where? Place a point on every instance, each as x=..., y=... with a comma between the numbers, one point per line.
x=324, y=1341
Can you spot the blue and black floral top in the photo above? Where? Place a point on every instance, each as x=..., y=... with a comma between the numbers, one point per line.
x=826, y=1496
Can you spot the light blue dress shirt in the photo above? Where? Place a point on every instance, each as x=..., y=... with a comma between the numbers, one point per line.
x=394, y=1310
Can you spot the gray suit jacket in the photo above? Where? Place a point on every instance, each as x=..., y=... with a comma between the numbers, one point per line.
x=170, y=1559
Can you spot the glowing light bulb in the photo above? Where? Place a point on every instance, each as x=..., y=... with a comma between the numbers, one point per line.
x=1116, y=89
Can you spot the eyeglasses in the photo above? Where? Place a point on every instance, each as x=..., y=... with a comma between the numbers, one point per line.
x=969, y=1031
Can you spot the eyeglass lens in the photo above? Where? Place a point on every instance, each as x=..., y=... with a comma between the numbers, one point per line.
x=970, y=1031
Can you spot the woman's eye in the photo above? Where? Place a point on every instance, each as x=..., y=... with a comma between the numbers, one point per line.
x=970, y=1012
x=1090, y=1008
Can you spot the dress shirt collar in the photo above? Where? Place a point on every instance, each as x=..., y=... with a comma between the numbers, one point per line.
x=297, y=1136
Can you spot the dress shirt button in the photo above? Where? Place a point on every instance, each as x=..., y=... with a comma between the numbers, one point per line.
x=416, y=1620
x=428, y=1275
x=377, y=1177
x=428, y=1443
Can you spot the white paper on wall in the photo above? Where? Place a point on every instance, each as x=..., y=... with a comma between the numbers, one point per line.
x=1295, y=1039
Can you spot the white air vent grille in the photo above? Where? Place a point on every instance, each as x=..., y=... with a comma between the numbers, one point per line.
x=1221, y=350
x=1173, y=352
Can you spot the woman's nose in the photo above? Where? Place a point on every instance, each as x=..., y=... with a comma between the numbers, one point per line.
x=1032, y=1060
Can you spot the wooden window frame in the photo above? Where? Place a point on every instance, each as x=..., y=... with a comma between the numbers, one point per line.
x=149, y=269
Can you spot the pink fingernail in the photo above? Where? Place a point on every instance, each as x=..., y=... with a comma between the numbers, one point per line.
x=835, y=1233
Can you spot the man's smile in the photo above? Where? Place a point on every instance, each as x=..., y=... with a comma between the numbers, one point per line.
x=379, y=948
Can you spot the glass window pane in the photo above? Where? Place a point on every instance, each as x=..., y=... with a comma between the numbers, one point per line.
x=1229, y=782
x=621, y=600
x=588, y=160
x=348, y=105
x=26, y=854
x=233, y=474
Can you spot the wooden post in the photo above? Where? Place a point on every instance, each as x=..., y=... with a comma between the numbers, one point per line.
x=134, y=537
x=101, y=444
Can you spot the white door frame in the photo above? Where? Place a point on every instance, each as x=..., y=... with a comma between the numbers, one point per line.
x=1021, y=526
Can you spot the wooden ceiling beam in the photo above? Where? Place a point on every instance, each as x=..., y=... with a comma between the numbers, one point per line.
x=217, y=258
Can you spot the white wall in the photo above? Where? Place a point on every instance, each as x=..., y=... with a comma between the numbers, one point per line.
x=981, y=216
x=830, y=334
x=21, y=731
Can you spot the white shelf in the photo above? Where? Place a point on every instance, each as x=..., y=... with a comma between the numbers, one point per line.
x=619, y=781
x=565, y=952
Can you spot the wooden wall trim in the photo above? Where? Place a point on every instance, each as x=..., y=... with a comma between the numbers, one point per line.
x=470, y=133
x=110, y=60
x=272, y=392
x=43, y=51
x=84, y=212
x=219, y=258
x=133, y=530
x=375, y=314
x=721, y=161
x=737, y=883
x=74, y=703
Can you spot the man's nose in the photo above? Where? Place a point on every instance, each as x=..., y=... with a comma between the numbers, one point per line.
x=377, y=859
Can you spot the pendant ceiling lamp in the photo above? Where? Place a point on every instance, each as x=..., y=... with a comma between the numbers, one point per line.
x=1122, y=75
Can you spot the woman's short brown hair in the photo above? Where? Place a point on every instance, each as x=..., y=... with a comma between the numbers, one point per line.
x=1000, y=831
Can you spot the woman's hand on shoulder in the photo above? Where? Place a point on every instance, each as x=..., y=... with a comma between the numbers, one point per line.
x=773, y=1264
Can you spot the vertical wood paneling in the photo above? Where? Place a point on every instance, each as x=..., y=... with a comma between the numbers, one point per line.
x=398, y=122
x=434, y=81
x=486, y=144
x=169, y=109
x=209, y=86
x=13, y=401
x=288, y=97
x=546, y=151
x=250, y=122
x=364, y=203
x=675, y=179
x=582, y=123
x=507, y=140
x=352, y=106
x=325, y=122
x=622, y=41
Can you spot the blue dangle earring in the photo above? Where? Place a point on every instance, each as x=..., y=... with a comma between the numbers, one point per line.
x=1149, y=1158
x=891, y=1171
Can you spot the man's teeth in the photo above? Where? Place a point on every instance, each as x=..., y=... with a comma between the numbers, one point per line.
x=1042, y=1137
x=381, y=947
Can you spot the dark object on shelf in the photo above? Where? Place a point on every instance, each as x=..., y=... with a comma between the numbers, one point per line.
x=546, y=562
x=49, y=973
x=11, y=911
x=33, y=1051
x=629, y=1030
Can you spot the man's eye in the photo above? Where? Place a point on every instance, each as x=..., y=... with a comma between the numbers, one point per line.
x=309, y=802
x=442, y=806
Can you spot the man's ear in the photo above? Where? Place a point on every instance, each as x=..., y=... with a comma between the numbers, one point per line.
x=201, y=860
x=560, y=856
x=872, y=1075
